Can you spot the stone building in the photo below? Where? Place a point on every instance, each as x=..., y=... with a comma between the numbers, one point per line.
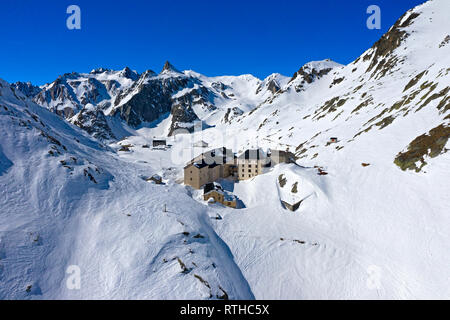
x=209, y=167
x=251, y=163
x=215, y=191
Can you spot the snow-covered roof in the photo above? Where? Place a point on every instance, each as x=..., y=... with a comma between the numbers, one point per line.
x=252, y=154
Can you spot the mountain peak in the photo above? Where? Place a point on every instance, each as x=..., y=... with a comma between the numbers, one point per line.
x=99, y=70
x=321, y=64
x=169, y=67
x=128, y=73
x=27, y=88
x=314, y=70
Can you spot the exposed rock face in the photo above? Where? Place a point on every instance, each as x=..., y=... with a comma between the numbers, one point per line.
x=445, y=41
x=68, y=94
x=273, y=83
x=169, y=67
x=27, y=88
x=429, y=145
x=135, y=98
x=310, y=72
x=129, y=74
x=146, y=100
x=232, y=113
x=308, y=75
x=380, y=55
x=219, y=86
x=139, y=99
x=183, y=117
x=59, y=97
x=154, y=95
x=273, y=86
x=94, y=122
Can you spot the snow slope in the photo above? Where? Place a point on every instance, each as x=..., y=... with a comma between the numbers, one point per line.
x=371, y=222
x=381, y=232
x=83, y=206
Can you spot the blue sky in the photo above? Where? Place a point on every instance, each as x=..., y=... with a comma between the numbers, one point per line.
x=209, y=36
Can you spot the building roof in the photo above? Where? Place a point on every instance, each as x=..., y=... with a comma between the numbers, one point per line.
x=211, y=186
x=213, y=157
x=158, y=142
x=252, y=154
x=216, y=187
x=229, y=197
x=223, y=154
x=201, y=164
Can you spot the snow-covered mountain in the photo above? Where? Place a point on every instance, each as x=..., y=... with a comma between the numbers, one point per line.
x=27, y=88
x=137, y=100
x=373, y=220
x=68, y=94
x=69, y=200
x=392, y=97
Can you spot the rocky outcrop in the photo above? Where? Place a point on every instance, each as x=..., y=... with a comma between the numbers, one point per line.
x=310, y=72
x=68, y=94
x=129, y=74
x=232, y=113
x=27, y=88
x=183, y=117
x=272, y=86
x=169, y=92
x=94, y=122
x=168, y=67
x=381, y=55
x=148, y=99
x=59, y=97
x=134, y=98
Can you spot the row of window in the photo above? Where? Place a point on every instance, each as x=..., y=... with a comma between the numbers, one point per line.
x=249, y=170
x=249, y=174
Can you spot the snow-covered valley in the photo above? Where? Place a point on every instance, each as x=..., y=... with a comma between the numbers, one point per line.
x=374, y=217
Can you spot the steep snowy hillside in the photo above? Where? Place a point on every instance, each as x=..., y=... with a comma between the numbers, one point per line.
x=67, y=200
x=389, y=111
x=396, y=91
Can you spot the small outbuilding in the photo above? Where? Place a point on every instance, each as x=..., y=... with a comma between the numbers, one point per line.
x=333, y=140
x=155, y=178
x=159, y=143
x=214, y=191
